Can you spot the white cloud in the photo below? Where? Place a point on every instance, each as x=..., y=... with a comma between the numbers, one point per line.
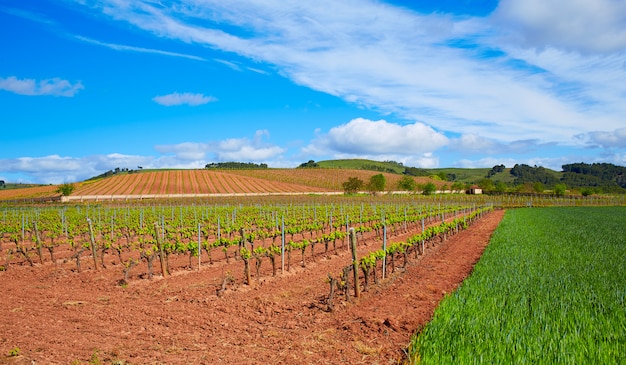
x=606, y=139
x=457, y=74
x=121, y=47
x=232, y=149
x=597, y=26
x=55, y=169
x=188, y=151
x=364, y=137
x=249, y=153
x=184, y=98
x=231, y=65
x=47, y=163
x=244, y=149
x=475, y=144
x=31, y=87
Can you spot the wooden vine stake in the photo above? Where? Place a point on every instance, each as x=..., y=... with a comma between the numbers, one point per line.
x=161, y=253
x=355, y=264
x=93, y=245
x=333, y=284
x=38, y=242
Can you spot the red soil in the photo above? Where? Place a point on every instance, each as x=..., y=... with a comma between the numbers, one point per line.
x=188, y=182
x=207, y=181
x=23, y=193
x=51, y=314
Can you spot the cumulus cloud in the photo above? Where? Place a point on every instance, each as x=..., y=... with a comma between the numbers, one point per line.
x=188, y=151
x=231, y=149
x=475, y=144
x=184, y=98
x=55, y=169
x=378, y=140
x=31, y=87
x=244, y=149
x=605, y=139
x=411, y=144
x=597, y=26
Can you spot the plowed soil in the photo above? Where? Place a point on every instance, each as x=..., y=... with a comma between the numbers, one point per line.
x=51, y=314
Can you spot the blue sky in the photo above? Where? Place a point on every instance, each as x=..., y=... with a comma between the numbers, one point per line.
x=90, y=85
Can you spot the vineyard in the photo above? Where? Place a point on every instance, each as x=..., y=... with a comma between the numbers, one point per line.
x=137, y=235
x=187, y=280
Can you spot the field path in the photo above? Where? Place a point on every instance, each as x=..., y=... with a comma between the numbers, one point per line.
x=55, y=315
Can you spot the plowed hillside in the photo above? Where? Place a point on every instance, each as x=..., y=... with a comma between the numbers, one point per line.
x=208, y=181
x=27, y=193
x=324, y=178
x=188, y=182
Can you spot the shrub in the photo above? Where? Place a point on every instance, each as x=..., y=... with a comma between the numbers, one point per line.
x=66, y=189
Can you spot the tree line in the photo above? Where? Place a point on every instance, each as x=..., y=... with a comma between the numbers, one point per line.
x=598, y=177
x=235, y=165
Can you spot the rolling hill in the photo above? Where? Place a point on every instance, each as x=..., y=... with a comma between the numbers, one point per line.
x=211, y=181
x=318, y=177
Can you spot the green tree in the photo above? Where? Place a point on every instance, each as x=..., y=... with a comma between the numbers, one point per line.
x=429, y=188
x=559, y=189
x=538, y=187
x=407, y=183
x=309, y=164
x=586, y=191
x=486, y=184
x=458, y=186
x=377, y=183
x=524, y=188
x=66, y=189
x=500, y=187
x=353, y=185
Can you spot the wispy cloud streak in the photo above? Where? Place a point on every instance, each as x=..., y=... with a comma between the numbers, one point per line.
x=31, y=87
x=456, y=74
x=120, y=47
x=184, y=98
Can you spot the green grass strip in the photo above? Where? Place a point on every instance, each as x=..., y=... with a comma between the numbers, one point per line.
x=549, y=289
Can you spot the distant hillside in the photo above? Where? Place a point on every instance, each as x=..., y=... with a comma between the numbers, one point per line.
x=205, y=181
x=391, y=167
x=328, y=176
x=608, y=177
x=462, y=175
x=469, y=176
x=24, y=191
x=218, y=181
x=599, y=177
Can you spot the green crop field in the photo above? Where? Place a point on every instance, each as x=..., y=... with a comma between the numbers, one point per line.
x=549, y=289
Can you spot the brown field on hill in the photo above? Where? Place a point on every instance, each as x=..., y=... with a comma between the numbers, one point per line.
x=331, y=179
x=206, y=181
x=190, y=182
x=25, y=193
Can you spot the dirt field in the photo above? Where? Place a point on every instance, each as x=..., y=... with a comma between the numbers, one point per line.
x=51, y=314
